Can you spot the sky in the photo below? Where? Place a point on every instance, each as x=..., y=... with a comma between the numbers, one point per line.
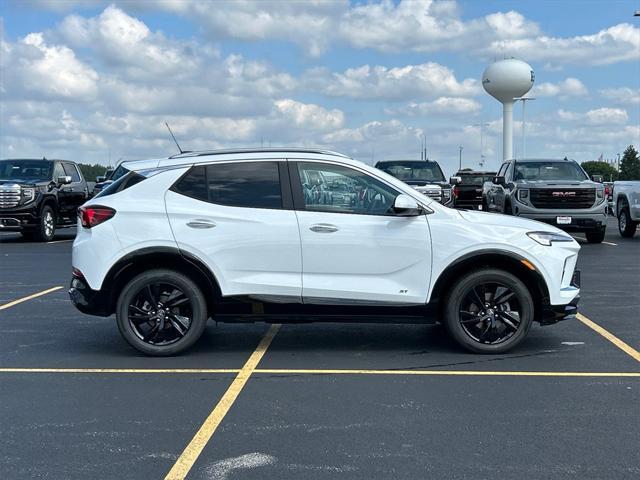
x=95, y=81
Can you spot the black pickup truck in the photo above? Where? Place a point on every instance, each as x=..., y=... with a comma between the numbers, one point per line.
x=38, y=196
x=467, y=188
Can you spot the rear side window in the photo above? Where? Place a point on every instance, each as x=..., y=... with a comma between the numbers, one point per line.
x=241, y=184
x=129, y=180
x=71, y=171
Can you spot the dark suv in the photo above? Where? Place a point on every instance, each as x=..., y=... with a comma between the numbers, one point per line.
x=425, y=176
x=38, y=196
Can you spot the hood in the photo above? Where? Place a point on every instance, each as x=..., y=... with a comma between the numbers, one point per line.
x=557, y=184
x=32, y=183
x=498, y=220
x=426, y=182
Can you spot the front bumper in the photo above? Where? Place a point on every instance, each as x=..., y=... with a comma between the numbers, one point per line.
x=91, y=302
x=554, y=313
x=12, y=221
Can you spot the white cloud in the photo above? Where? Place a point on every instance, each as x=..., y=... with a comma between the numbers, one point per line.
x=397, y=83
x=306, y=115
x=607, y=116
x=442, y=105
x=622, y=95
x=569, y=87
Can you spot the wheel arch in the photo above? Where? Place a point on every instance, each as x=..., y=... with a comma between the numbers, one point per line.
x=151, y=258
x=500, y=259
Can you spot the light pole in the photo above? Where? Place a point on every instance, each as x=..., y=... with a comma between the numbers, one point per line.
x=481, y=125
x=460, y=151
x=524, y=135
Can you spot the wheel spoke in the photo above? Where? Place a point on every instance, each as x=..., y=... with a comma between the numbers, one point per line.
x=175, y=323
x=149, y=296
x=477, y=299
x=176, y=300
x=486, y=330
x=152, y=334
x=509, y=320
x=503, y=297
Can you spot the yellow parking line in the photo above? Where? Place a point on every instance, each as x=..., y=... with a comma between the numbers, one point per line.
x=30, y=297
x=119, y=370
x=191, y=453
x=626, y=348
x=469, y=373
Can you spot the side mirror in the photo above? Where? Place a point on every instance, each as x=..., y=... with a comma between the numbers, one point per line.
x=405, y=206
x=455, y=180
x=596, y=178
x=64, y=180
x=499, y=180
x=100, y=178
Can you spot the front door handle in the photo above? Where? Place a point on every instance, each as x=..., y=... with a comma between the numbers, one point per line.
x=199, y=223
x=323, y=228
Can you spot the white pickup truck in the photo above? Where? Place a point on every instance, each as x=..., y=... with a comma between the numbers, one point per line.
x=626, y=201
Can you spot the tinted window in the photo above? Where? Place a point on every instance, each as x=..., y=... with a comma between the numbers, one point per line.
x=71, y=171
x=503, y=170
x=413, y=170
x=549, y=171
x=333, y=188
x=58, y=171
x=241, y=184
x=25, y=170
x=129, y=180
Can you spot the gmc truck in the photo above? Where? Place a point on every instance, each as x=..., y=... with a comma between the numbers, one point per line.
x=557, y=192
x=38, y=196
x=626, y=201
x=425, y=176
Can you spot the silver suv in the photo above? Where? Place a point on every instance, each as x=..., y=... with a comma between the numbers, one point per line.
x=557, y=192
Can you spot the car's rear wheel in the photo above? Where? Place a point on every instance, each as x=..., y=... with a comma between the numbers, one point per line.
x=161, y=312
x=626, y=226
x=488, y=311
x=595, y=236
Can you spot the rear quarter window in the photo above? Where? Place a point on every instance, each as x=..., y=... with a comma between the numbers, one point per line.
x=124, y=182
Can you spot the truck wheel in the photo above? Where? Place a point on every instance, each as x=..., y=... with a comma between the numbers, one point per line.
x=626, y=226
x=161, y=312
x=46, y=229
x=595, y=236
x=488, y=311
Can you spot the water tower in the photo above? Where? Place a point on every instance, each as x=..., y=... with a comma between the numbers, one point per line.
x=506, y=80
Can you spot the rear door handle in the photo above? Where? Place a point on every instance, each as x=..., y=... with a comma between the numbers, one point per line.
x=199, y=223
x=323, y=228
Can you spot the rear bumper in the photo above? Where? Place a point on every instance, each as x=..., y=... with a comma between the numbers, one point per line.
x=91, y=302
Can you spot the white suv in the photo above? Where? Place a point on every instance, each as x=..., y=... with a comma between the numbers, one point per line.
x=308, y=235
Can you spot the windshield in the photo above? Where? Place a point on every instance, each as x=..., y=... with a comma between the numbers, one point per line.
x=548, y=171
x=25, y=170
x=429, y=171
x=477, y=180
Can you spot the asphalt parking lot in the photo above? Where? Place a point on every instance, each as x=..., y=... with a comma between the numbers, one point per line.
x=317, y=400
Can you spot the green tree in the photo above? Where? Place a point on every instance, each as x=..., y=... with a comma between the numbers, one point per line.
x=630, y=164
x=90, y=172
x=608, y=171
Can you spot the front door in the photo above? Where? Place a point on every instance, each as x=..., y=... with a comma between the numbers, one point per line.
x=354, y=248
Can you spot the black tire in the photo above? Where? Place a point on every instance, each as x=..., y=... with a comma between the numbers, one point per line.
x=595, y=236
x=46, y=229
x=488, y=329
x=156, y=320
x=507, y=207
x=626, y=226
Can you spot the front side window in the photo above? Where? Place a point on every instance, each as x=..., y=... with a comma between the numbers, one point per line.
x=239, y=184
x=333, y=188
x=58, y=171
x=71, y=171
x=503, y=170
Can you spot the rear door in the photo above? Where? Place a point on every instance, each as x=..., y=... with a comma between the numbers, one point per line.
x=355, y=250
x=238, y=218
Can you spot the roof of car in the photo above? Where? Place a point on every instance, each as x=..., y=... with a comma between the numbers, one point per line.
x=229, y=151
x=524, y=160
x=405, y=160
x=475, y=172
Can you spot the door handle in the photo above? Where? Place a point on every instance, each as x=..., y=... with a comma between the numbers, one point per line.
x=323, y=228
x=199, y=223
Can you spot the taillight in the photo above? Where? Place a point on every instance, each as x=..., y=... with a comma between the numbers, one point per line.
x=455, y=191
x=94, y=215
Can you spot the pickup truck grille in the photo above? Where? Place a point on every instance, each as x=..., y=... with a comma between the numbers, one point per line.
x=9, y=196
x=436, y=194
x=563, y=198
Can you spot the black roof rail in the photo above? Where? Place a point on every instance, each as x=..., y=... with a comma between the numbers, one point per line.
x=205, y=153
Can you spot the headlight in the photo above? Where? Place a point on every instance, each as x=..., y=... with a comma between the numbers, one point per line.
x=28, y=194
x=446, y=194
x=599, y=195
x=523, y=195
x=547, y=238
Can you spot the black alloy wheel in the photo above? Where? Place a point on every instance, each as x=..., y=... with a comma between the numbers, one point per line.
x=488, y=311
x=161, y=312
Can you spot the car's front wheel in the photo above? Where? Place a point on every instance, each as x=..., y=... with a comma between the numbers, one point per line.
x=488, y=311
x=595, y=236
x=161, y=312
